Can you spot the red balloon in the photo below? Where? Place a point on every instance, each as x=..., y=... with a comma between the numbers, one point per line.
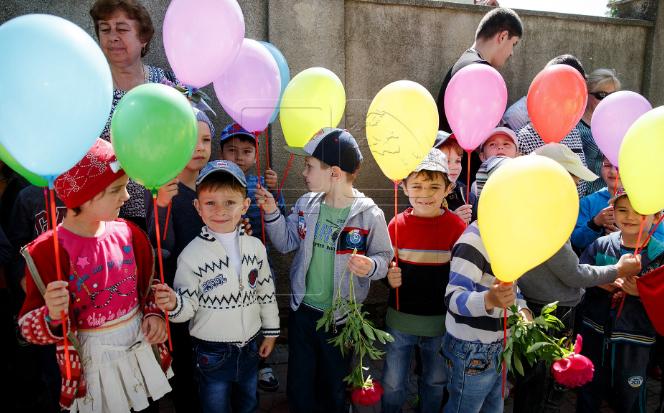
x=557, y=98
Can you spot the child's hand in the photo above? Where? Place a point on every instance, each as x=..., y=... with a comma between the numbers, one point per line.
x=629, y=286
x=360, y=265
x=154, y=330
x=164, y=297
x=247, y=226
x=526, y=314
x=167, y=192
x=500, y=295
x=394, y=276
x=267, y=346
x=605, y=217
x=629, y=265
x=465, y=212
x=265, y=200
x=56, y=298
x=271, y=180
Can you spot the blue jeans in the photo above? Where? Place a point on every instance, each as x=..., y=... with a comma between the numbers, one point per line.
x=432, y=381
x=227, y=376
x=473, y=376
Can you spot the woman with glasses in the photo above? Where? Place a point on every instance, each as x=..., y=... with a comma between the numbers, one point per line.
x=601, y=83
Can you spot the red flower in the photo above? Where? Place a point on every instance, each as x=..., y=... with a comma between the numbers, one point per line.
x=574, y=370
x=367, y=395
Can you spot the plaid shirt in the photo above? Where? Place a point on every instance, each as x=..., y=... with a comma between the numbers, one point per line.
x=529, y=140
x=594, y=157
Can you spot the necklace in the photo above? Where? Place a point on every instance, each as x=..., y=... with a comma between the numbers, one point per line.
x=144, y=76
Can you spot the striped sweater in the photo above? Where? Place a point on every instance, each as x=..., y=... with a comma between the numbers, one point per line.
x=470, y=280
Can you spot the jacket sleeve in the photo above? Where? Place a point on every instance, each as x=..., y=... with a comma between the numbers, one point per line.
x=186, y=285
x=283, y=231
x=565, y=265
x=583, y=235
x=464, y=294
x=267, y=297
x=379, y=245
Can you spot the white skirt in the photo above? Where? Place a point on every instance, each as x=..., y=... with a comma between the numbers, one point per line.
x=121, y=370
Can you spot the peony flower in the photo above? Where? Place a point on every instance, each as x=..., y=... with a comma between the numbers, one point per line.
x=367, y=395
x=574, y=370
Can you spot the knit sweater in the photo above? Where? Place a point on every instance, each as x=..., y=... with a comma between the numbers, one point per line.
x=425, y=267
x=470, y=280
x=224, y=306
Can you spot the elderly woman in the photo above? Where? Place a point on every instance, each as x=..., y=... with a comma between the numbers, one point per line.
x=601, y=83
x=124, y=30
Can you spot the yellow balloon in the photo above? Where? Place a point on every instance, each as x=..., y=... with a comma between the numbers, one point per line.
x=315, y=98
x=526, y=213
x=641, y=162
x=402, y=123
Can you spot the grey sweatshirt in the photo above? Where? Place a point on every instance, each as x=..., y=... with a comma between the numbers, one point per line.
x=561, y=278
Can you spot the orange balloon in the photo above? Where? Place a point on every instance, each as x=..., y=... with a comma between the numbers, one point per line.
x=557, y=98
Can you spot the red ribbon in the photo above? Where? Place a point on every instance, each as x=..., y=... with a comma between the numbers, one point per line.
x=161, y=263
x=396, y=235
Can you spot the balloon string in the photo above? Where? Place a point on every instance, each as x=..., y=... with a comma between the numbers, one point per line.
x=258, y=173
x=58, y=270
x=504, y=366
x=615, y=183
x=636, y=252
x=396, y=236
x=267, y=148
x=283, y=180
x=46, y=208
x=650, y=234
x=468, y=178
x=161, y=264
x=168, y=215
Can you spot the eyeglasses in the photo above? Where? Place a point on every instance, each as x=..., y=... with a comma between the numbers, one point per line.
x=600, y=95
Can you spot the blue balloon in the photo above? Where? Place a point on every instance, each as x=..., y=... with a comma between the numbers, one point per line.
x=284, y=72
x=57, y=92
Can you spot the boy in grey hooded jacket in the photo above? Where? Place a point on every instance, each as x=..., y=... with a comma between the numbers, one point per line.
x=334, y=229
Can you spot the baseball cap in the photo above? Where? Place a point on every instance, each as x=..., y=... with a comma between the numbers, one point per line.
x=335, y=147
x=435, y=161
x=619, y=194
x=568, y=159
x=222, y=166
x=501, y=130
x=232, y=130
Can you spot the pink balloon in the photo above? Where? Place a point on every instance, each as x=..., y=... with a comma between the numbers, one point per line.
x=475, y=100
x=202, y=38
x=249, y=90
x=613, y=117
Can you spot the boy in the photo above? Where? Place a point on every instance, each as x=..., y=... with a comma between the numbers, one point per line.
x=500, y=143
x=334, y=229
x=617, y=332
x=456, y=199
x=473, y=340
x=422, y=275
x=224, y=286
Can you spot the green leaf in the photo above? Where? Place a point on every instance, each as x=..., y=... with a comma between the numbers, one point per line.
x=535, y=347
x=517, y=364
x=368, y=331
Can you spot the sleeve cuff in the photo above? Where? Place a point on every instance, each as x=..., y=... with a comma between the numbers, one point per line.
x=272, y=217
x=178, y=306
x=270, y=332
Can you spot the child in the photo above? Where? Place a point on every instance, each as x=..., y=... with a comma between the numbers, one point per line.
x=422, y=275
x=334, y=229
x=107, y=265
x=501, y=142
x=184, y=224
x=473, y=340
x=456, y=199
x=224, y=285
x=239, y=146
x=617, y=333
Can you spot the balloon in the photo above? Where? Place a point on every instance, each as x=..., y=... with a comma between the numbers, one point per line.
x=202, y=38
x=557, y=98
x=154, y=133
x=9, y=160
x=475, y=100
x=402, y=123
x=284, y=72
x=512, y=204
x=613, y=117
x=641, y=162
x=249, y=90
x=57, y=92
x=314, y=99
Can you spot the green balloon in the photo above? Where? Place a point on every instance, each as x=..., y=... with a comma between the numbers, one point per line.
x=154, y=134
x=32, y=177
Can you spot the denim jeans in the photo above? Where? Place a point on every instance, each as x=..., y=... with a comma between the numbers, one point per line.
x=432, y=381
x=316, y=368
x=227, y=376
x=473, y=376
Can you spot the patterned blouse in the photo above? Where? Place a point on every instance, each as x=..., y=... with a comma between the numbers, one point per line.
x=135, y=206
x=594, y=156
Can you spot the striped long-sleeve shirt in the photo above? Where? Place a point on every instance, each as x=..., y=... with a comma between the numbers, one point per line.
x=470, y=280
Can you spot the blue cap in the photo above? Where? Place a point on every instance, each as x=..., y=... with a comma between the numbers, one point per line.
x=335, y=147
x=234, y=129
x=222, y=166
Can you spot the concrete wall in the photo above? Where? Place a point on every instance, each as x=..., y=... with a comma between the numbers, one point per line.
x=369, y=43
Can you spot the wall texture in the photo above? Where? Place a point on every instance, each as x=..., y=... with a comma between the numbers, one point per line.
x=370, y=43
